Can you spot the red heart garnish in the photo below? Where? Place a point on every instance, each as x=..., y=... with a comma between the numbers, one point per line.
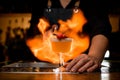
x=61, y=36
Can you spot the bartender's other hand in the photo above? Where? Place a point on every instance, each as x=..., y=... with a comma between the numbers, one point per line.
x=83, y=63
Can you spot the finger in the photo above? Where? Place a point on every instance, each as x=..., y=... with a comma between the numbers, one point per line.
x=72, y=63
x=86, y=66
x=79, y=64
x=92, y=68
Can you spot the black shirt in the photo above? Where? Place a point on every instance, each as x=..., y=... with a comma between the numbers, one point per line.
x=94, y=11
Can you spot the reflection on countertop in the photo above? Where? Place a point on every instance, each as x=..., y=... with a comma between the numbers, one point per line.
x=40, y=67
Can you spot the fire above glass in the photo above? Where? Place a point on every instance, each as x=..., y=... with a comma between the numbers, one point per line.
x=72, y=28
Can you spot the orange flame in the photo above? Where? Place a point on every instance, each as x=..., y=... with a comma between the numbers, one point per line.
x=41, y=47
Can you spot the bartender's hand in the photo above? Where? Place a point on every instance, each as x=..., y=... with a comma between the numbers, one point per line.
x=83, y=63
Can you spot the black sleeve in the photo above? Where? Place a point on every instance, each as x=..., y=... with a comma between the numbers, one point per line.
x=97, y=16
x=100, y=25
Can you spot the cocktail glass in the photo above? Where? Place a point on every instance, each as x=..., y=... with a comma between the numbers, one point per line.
x=61, y=46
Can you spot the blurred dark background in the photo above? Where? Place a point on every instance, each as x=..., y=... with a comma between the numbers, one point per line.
x=20, y=6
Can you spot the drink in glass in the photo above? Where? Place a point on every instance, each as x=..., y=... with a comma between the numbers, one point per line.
x=62, y=45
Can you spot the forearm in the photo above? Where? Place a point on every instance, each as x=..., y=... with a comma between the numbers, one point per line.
x=94, y=58
x=98, y=47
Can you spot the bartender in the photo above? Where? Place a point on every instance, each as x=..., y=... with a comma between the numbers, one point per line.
x=98, y=27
